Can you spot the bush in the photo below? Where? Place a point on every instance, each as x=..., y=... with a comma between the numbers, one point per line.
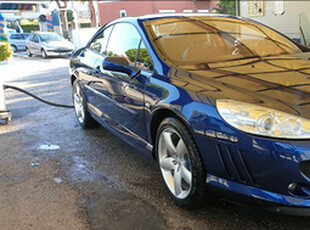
x=5, y=51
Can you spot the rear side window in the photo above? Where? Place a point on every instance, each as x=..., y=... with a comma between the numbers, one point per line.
x=124, y=42
x=99, y=44
x=16, y=36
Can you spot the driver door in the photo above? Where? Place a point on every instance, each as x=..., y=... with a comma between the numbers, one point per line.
x=122, y=97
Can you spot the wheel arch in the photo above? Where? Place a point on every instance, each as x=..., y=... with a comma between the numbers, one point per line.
x=73, y=77
x=159, y=115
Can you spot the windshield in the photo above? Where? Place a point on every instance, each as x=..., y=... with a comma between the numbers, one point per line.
x=194, y=40
x=50, y=37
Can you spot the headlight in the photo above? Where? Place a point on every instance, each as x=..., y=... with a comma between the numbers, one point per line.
x=263, y=121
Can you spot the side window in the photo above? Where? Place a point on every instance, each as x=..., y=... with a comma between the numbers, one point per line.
x=16, y=36
x=144, y=59
x=31, y=37
x=25, y=36
x=36, y=38
x=99, y=44
x=124, y=42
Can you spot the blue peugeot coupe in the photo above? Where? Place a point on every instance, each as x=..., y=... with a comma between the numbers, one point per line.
x=222, y=103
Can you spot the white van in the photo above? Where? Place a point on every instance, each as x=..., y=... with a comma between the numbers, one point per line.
x=12, y=26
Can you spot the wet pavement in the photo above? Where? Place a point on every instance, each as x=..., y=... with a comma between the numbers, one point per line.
x=55, y=175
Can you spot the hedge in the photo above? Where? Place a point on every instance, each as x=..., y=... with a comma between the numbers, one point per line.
x=5, y=51
x=85, y=24
x=31, y=27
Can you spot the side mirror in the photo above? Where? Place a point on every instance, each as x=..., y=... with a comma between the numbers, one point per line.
x=120, y=64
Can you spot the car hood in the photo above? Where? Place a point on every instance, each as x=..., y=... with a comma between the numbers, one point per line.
x=65, y=44
x=280, y=82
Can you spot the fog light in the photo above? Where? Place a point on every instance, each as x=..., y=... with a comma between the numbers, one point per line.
x=292, y=187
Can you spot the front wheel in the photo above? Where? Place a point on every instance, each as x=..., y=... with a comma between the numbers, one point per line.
x=28, y=52
x=80, y=107
x=43, y=53
x=181, y=165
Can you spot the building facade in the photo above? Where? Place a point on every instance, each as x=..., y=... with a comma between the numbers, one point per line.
x=290, y=17
x=110, y=10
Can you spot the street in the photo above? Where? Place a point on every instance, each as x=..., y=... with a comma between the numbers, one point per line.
x=55, y=175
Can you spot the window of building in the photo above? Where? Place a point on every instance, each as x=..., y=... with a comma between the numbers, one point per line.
x=203, y=11
x=187, y=11
x=123, y=13
x=166, y=11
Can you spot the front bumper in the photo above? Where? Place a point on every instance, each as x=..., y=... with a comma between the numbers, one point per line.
x=270, y=201
x=259, y=171
x=59, y=52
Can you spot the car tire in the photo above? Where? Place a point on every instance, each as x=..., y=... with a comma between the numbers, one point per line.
x=80, y=107
x=28, y=52
x=181, y=165
x=43, y=53
x=14, y=48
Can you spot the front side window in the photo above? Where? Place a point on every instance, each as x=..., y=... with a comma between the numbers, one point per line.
x=99, y=44
x=195, y=40
x=143, y=58
x=36, y=38
x=31, y=37
x=124, y=42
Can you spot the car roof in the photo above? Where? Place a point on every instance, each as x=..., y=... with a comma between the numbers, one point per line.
x=149, y=17
x=39, y=32
x=18, y=33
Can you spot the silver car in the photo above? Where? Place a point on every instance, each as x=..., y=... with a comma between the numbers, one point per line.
x=48, y=44
x=18, y=41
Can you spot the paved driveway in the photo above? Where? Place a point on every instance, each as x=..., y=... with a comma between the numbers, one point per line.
x=54, y=175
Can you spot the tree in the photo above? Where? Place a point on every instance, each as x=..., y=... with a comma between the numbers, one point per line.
x=70, y=17
x=226, y=7
x=92, y=10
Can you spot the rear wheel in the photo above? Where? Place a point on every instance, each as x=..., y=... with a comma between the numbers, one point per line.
x=28, y=52
x=181, y=165
x=80, y=107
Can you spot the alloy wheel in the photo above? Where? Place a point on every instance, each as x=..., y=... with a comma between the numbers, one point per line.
x=28, y=52
x=43, y=54
x=78, y=102
x=174, y=161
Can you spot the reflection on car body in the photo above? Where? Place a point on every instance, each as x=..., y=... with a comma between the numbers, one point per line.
x=221, y=102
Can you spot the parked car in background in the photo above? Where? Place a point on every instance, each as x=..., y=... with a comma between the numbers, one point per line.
x=18, y=41
x=48, y=44
x=222, y=103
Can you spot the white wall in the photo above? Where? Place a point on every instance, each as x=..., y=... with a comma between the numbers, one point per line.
x=288, y=23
